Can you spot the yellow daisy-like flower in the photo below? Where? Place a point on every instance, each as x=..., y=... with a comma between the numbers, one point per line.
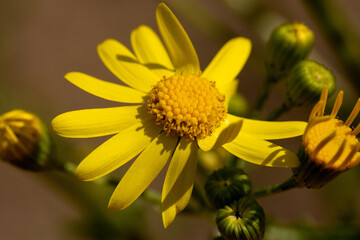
x=330, y=146
x=178, y=108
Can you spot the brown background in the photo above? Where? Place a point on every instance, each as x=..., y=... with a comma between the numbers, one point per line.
x=42, y=40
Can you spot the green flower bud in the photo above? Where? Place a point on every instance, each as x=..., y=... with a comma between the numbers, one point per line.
x=306, y=81
x=24, y=141
x=238, y=105
x=242, y=220
x=227, y=185
x=288, y=44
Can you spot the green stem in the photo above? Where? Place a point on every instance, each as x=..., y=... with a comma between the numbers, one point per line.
x=281, y=187
x=277, y=112
x=340, y=34
x=148, y=195
x=262, y=97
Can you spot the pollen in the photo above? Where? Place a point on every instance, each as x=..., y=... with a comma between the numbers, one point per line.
x=187, y=105
x=330, y=141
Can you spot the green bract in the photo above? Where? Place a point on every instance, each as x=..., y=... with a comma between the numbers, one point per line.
x=227, y=185
x=242, y=220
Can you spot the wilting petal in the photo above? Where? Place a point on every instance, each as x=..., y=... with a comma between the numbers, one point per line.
x=143, y=171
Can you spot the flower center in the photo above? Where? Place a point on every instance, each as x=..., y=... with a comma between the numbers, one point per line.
x=329, y=141
x=187, y=104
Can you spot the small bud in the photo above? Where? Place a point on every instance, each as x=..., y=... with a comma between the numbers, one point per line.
x=288, y=44
x=242, y=220
x=306, y=81
x=227, y=185
x=24, y=141
x=329, y=145
x=238, y=105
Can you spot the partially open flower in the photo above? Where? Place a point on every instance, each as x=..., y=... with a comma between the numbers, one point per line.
x=24, y=141
x=329, y=145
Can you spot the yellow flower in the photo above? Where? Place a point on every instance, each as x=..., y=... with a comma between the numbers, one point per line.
x=330, y=146
x=177, y=108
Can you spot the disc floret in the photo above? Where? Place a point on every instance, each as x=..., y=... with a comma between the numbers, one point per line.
x=187, y=105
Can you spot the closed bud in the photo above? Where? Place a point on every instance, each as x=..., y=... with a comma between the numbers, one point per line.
x=244, y=219
x=24, y=141
x=227, y=185
x=306, y=81
x=329, y=145
x=288, y=44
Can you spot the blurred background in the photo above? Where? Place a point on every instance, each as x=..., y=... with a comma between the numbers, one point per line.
x=43, y=40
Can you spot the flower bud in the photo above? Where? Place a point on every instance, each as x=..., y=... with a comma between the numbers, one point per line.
x=244, y=219
x=227, y=185
x=237, y=105
x=329, y=145
x=24, y=141
x=288, y=44
x=306, y=81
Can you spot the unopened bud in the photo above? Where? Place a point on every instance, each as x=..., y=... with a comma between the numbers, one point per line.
x=24, y=141
x=242, y=220
x=227, y=185
x=306, y=81
x=288, y=44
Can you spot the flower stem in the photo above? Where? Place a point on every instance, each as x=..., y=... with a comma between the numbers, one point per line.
x=262, y=97
x=277, y=112
x=281, y=187
x=149, y=195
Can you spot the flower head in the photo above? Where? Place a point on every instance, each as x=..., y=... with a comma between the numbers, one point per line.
x=24, y=141
x=177, y=108
x=330, y=146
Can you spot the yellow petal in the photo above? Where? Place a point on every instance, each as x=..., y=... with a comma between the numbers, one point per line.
x=228, y=62
x=149, y=48
x=143, y=171
x=270, y=130
x=117, y=150
x=225, y=133
x=179, y=180
x=230, y=90
x=97, y=122
x=107, y=90
x=177, y=42
x=123, y=64
x=261, y=152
